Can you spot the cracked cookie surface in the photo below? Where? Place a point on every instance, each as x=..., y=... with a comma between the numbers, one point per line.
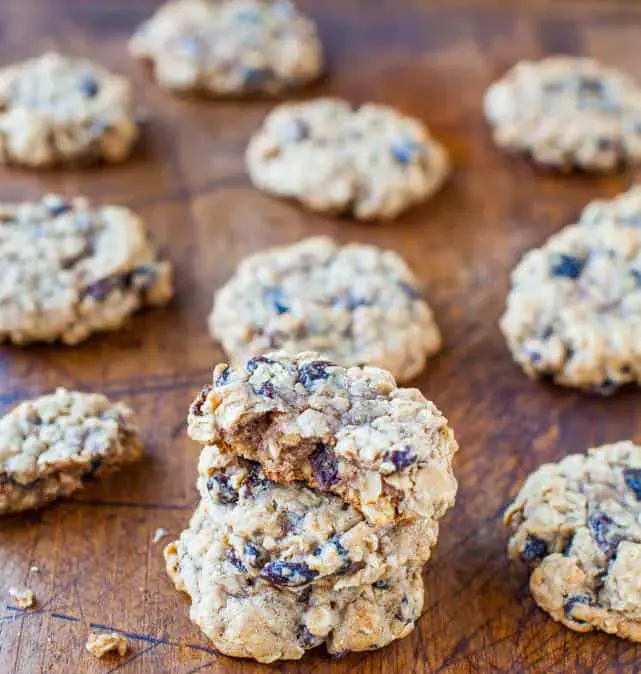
x=57, y=110
x=574, y=309
x=249, y=617
x=230, y=47
x=567, y=113
x=578, y=523
x=356, y=304
x=351, y=431
x=68, y=270
x=292, y=536
x=53, y=445
x=372, y=162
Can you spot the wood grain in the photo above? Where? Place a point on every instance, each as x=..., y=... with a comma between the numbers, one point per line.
x=97, y=564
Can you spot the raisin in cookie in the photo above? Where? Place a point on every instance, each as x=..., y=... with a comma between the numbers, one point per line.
x=356, y=304
x=53, y=445
x=230, y=47
x=68, y=270
x=567, y=113
x=250, y=617
x=291, y=535
x=351, y=431
x=578, y=523
x=372, y=162
x=574, y=309
x=58, y=110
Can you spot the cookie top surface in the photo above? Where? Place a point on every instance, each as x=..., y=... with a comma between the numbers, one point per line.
x=351, y=431
x=251, y=618
x=292, y=536
x=578, y=522
x=372, y=162
x=68, y=269
x=356, y=304
x=624, y=209
x=230, y=47
x=568, y=113
x=57, y=109
x=574, y=309
x=51, y=445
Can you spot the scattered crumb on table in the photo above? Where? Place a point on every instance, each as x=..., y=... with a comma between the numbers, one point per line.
x=24, y=597
x=159, y=535
x=107, y=642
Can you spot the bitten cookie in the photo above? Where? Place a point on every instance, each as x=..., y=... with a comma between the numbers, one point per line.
x=51, y=446
x=68, y=270
x=249, y=617
x=292, y=536
x=230, y=47
x=57, y=110
x=567, y=113
x=356, y=304
x=350, y=431
x=578, y=523
x=574, y=309
x=372, y=162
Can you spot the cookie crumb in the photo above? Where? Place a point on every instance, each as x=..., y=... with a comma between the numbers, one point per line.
x=101, y=644
x=159, y=534
x=24, y=597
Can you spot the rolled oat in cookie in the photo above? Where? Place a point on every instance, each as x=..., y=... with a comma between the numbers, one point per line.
x=230, y=47
x=355, y=304
x=250, y=617
x=68, y=270
x=55, y=444
x=372, y=162
x=291, y=536
x=577, y=523
x=57, y=110
x=567, y=113
x=350, y=431
x=574, y=309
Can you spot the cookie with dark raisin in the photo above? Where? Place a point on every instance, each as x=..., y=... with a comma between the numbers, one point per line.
x=371, y=162
x=58, y=110
x=291, y=535
x=574, y=309
x=253, y=617
x=54, y=445
x=567, y=113
x=230, y=48
x=577, y=524
x=68, y=269
x=355, y=304
x=349, y=431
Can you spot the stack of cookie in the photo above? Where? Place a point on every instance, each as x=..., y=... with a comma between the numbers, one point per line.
x=321, y=490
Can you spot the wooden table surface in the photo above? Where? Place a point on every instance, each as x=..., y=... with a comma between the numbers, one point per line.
x=98, y=566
